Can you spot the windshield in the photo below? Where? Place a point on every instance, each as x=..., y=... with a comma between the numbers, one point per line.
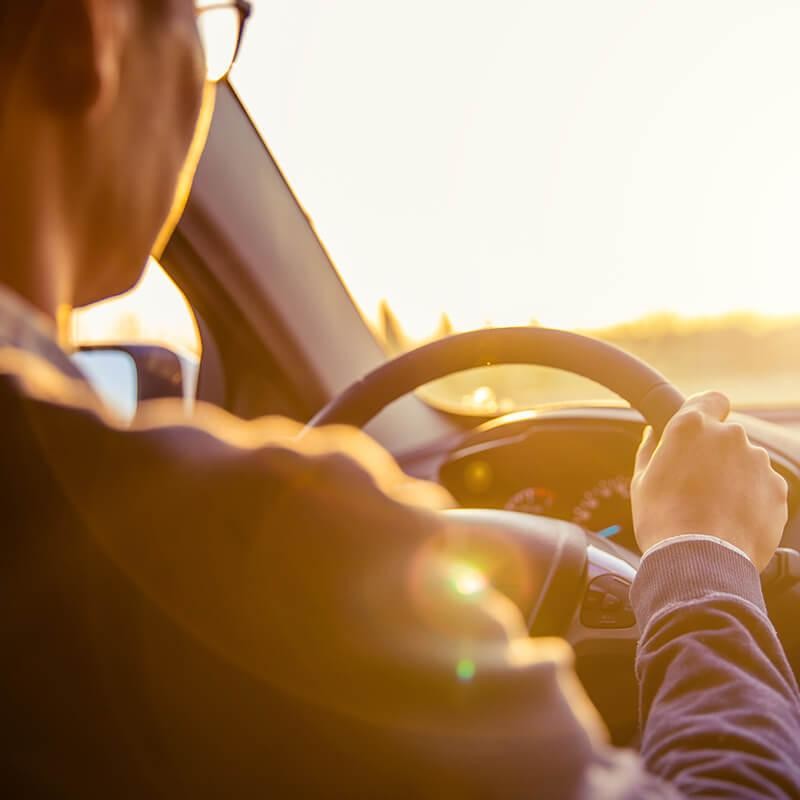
x=626, y=169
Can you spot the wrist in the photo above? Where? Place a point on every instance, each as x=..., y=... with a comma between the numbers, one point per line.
x=729, y=532
x=688, y=569
x=697, y=537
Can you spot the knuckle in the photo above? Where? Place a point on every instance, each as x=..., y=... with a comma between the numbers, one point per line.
x=688, y=423
x=761, y=457
x=718, y=400
x=331, y=469
x=781, y=485
x=734, y=434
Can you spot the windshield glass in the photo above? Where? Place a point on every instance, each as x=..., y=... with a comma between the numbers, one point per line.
x=626, y=169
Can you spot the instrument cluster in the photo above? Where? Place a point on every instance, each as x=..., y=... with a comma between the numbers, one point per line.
x=603, y=508
x=576, y=472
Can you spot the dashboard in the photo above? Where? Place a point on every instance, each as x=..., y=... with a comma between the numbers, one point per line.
x=574, y=465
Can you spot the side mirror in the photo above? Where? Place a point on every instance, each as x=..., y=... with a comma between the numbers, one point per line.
x=125, y=375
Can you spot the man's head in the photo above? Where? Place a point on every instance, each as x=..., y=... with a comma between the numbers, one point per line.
x=99, y=106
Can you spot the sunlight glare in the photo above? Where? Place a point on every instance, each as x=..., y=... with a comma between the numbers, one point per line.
x=467, y=580
x=219, y=30
x=574, y=163
x=465, y=670
x=154, y=311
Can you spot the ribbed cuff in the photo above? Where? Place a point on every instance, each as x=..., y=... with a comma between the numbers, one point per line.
x=686, y=570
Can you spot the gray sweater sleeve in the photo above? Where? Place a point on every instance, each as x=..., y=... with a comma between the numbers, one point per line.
x=719, y=704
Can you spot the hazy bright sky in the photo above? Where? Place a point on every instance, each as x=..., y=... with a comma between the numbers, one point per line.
x=575, y=161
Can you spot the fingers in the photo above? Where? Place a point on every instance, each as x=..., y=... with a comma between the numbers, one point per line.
x=698, y=412
x=710, y=404
x=707, y=405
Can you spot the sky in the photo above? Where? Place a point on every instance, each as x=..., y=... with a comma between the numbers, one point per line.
x=155, y=311
x=576, y=162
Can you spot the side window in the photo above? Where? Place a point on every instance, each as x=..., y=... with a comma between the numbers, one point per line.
x=142, y=345
x=154, y=312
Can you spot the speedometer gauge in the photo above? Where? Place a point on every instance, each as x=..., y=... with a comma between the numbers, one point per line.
x=533, y=500
x=605, y=509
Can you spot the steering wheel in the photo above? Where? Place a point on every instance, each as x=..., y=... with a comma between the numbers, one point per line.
x=644, y=388
x=576, y=584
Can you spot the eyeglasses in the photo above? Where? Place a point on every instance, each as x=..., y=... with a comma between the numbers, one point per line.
x=221, y=27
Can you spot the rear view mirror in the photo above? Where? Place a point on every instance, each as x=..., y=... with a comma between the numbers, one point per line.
x=125, y=375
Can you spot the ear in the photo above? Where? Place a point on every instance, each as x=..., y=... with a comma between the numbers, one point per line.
x=78, y=55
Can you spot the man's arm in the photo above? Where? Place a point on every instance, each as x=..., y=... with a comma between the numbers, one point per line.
x=719, y=704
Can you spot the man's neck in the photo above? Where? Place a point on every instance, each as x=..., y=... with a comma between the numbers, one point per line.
x=39, y=275
x=38, y=253
x=36, y=265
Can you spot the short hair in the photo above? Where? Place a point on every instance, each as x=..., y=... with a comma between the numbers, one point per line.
x=18, y=22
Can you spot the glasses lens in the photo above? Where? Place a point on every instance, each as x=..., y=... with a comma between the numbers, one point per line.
x=219, y=33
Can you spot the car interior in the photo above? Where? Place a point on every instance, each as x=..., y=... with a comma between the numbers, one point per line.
x=279, y=333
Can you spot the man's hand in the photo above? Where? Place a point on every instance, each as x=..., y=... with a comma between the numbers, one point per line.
x=704, y=476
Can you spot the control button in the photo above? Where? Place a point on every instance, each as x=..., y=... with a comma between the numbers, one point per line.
x=611, y=602
x=593, y=599
x=606, y=603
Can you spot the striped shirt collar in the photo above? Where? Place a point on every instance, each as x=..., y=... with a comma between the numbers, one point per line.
x=23, y=327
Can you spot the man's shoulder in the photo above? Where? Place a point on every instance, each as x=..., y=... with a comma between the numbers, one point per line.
x=213, y=451
x=63, y=416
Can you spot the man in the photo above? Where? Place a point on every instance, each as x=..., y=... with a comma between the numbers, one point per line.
x=221, y=610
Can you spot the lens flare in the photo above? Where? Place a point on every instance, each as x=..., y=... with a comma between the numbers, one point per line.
x=478, y=476
x=467, y=580
x=465, y=670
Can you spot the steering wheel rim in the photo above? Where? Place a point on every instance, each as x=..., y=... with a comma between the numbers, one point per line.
x=646, y=389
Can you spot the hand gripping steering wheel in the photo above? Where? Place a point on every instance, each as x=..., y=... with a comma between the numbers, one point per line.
x=579, y=584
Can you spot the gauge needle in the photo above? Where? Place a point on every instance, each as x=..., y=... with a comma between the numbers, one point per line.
x=611, y=530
